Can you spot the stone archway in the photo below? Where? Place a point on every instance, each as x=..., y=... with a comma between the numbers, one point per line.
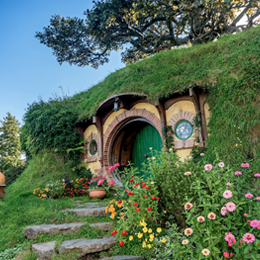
x=116, y=124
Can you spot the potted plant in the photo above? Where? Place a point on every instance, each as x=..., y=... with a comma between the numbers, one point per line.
x=98, y=187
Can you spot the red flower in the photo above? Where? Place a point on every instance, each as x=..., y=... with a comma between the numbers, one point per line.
x=137, y=209
x=145, y=196
x=130, y=204
x=114, y=232
x=147, y=188
x=131, y=180
x=125, y=219
x=124, y=233
x=149, y=209
x=153, y=198
x=132, y=176
x=135, y=204
x=120, y=201
x=158, y=198
x=121, y=243
x=126, y=190
x=142, y=181
x=143, y=185
x=137, y=184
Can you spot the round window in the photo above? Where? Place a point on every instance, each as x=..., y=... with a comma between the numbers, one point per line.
x=184, y=130
x=93, y=147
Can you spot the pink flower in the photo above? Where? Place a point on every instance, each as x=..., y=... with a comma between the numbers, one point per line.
x=229, y=244
x=249, y=238
x=221, y=164
x=111, y=183
x=238, y=173
x=231, y=206
x=229, y=184
x=100, y=182
x=249, y=195
x=227, y=194
x=258, y=198
x=245, y=214
x=245, y=165
x=208, y=167
x=257, y=175
x=200, y=219
x=229, y=237
x=254, y=223
x=188, y=206
x=226, y=254
x=111, y=168
x=202, y=154
x=212, y=215
x=188, y=231
x=223, y=211
x=116, y=165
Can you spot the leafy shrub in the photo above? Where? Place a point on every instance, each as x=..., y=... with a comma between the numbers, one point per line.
x=12, y=174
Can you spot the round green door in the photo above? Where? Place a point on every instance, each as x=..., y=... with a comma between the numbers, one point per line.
x=147, y=137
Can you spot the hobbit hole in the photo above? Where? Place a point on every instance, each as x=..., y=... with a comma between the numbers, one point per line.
x=127, y=125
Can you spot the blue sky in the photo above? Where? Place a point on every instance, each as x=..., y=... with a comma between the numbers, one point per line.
x=28, y=69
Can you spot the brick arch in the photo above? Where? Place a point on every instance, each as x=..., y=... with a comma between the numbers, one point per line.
x=174, y=120
x=117, y=123
x=88, y=156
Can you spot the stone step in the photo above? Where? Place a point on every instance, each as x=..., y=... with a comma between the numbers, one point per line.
x=123, y=257
x=92, y=212
x=86, y=246
x=34, y=231
x=44, y=250
x=104, y=226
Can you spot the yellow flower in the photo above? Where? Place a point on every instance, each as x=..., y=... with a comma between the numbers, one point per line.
x=149, y=246
x=122, y=214
x=150, y=230
x=152, y=236
x=131, y=238
x=159, y=230
x=116, y=202
x=151, y=239
x=120, y=205
x=146, y=240
x=140, y=235
x=165, y=212
x=115, y=194
x=144, y=244
x=163, y=240
x=145, y=229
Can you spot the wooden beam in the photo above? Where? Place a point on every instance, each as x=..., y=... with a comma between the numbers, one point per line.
x=98, y=122
x=160, y=108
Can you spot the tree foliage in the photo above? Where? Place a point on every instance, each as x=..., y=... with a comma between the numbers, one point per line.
x=10, y=147
x=143, y=27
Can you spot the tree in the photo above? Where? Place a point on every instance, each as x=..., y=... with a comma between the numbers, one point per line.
x=10, y=147
x=144, y=27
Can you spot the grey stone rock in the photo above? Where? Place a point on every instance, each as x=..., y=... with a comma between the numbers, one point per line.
x=34, y=231
x=44, y=250
x=123, y=257
x=104, y=226
x=86, y=246
x=95, y=212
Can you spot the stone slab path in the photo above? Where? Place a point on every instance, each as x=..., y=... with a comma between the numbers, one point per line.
x=123, y=257
x=44, y=250
x=88, y=212
x=33, y=231
x=104, y=226
x=86, y=246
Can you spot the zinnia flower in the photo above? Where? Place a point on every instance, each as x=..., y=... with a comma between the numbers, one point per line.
x=187, y=173
x=205, y=251
x=226, y=254
x=254, y=223
x=249, y=195
x=188, y=206
x=245, y=214
x=257, y=175
x=202, y=154
x=131, y=238
x=227, y=194
x=188, y=231
x=212, y=215
x=221, y=164
x=116, y=165
x=163, y=240
x=229, y=184
x=121, y=243
x=100, y=182
x=159, y=230
x=258, y=198
x=200, y=219
x=229, y=237
x=185, y=242
x=238, y=173
x=223, y=211
x=208, y=167
x=249, y=238
x=111, y=168
x=231, y=206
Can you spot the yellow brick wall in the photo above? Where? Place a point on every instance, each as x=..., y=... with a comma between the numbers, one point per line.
x=110, y=119
x=148, y=107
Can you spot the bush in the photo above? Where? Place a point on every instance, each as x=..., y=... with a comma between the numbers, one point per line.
x=12, y=174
